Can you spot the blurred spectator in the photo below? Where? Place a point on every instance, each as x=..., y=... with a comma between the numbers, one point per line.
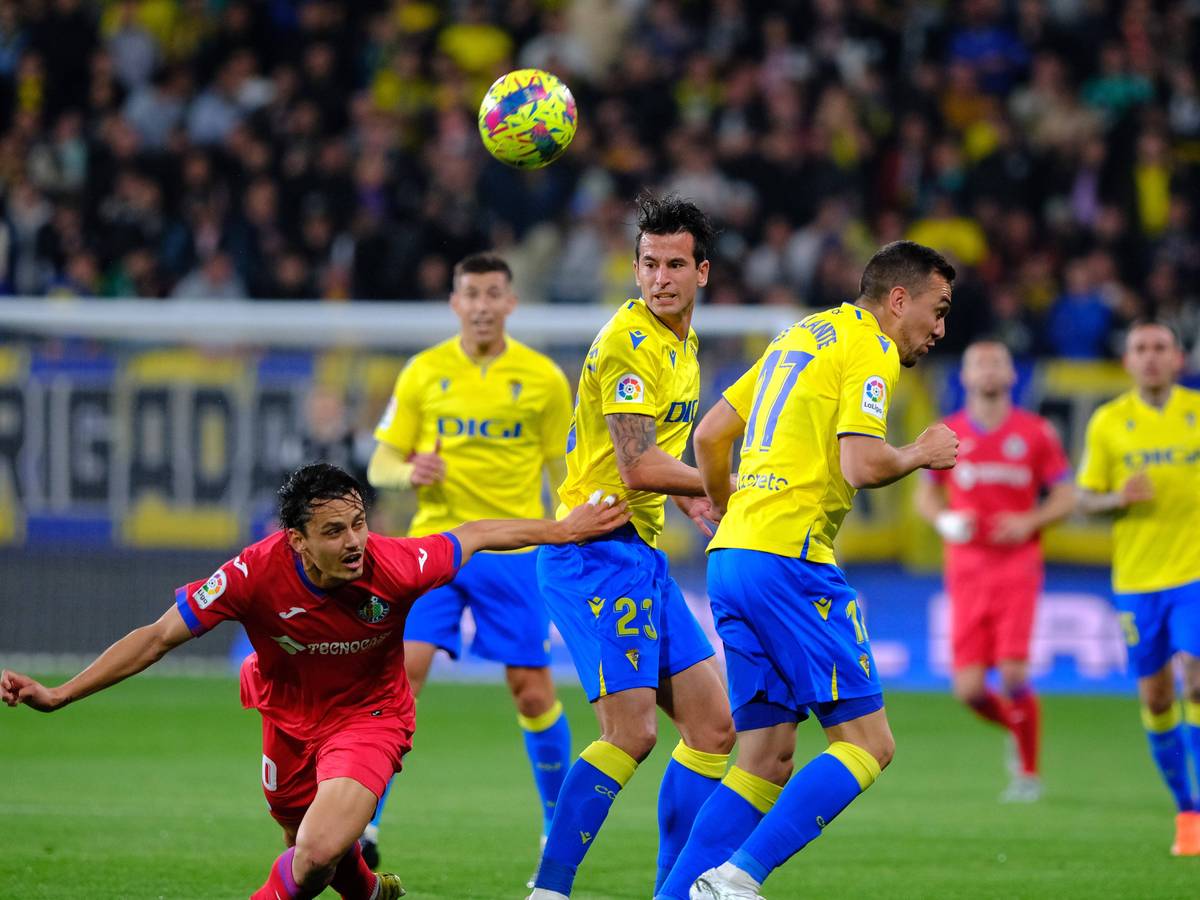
x=214, y=279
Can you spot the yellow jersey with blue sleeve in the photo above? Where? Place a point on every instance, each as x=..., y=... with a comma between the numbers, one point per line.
x=1154, y=543
x=635, y=365
x=497, y=423
x=830, y=374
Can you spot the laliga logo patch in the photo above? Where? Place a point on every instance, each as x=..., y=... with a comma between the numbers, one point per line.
x=210, y=590
x=373, y=611
x=629, y=389
x=874, y=399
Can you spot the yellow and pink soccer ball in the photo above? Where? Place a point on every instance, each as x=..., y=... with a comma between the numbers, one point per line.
x=527, y=118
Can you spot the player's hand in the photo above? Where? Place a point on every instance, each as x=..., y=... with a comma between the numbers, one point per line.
x=939, y=445
x=702, y=512
x=1013, y=528
x=16, y=688
x=428, y=468
x=1138, y=489
x=600, y=515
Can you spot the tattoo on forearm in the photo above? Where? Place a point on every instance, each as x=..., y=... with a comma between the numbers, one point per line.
x=632, y=435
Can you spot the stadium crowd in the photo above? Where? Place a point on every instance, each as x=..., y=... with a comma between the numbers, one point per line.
x=205, y=149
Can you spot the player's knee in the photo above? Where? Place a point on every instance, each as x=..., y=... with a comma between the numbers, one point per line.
x=635, y=738
x=883, y=749
x=533, y=695
x=970, y=693
x=720, y=736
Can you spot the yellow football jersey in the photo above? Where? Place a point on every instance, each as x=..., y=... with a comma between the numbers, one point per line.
x=1154, y=543
x=635, y=365
x=498, y=424
x=830, y=374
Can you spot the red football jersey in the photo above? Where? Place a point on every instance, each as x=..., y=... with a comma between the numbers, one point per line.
x=1002, y=470
x=322, y=656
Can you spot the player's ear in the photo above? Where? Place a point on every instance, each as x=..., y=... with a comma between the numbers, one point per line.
x=702, y=274
x=898, y=298
x=295, y=538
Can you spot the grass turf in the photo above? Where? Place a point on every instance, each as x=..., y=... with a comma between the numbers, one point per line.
x=152, y=790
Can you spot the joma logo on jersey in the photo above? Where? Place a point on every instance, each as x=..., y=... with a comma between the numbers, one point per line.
x=1166, y=456
x=683, y=411
x=448, y=426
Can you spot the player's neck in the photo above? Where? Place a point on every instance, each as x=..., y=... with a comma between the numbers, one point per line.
x=678, y=324
x=989, y=412
x=1158, y=397
x=482, y=351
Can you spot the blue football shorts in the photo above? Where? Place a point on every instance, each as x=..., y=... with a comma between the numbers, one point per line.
x=620, y=612
x=511, y=623
x=1156, y=624
x=795, y=640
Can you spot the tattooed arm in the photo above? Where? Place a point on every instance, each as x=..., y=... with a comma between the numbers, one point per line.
x=644, y=466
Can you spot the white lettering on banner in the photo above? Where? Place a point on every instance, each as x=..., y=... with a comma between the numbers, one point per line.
x=1080, y=626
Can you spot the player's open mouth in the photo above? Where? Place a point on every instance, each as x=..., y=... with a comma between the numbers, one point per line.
x=352, y=561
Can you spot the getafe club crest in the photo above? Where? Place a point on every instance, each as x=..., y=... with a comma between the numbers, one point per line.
x=373, y=611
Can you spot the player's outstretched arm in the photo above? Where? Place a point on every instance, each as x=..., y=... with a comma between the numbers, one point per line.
x=139, y=649
x=713, y=442
x=645, y=466
x=391, y=469
x=584, y=522
x=870, y=462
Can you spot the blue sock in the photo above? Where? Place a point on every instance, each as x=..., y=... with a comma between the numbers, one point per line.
x=548, y=743
x=379, y=806
x=1166, y=734
x=811, y=800
x=583, y=803
x=691, y=777
x=727, y=818
x=1191, y=729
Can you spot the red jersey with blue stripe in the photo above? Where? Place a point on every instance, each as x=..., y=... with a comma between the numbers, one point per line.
x=999, y=471
x=322, y=656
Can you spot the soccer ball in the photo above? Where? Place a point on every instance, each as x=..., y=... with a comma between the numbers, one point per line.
x=527, y=118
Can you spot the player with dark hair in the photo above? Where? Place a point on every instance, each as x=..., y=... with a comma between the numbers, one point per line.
x=631, y=635
x=1141, y=463
x=990, y=510
x=474, y=425
x=812, y=416
x=323, y=602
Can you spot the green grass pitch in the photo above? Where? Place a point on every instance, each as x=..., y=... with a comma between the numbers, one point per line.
x=152, y=790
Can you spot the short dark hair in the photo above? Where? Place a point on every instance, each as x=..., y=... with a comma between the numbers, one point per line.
x=312, y=485
x=479, y=263
x=1150, y=322
x=904, y=263
x=668, y=214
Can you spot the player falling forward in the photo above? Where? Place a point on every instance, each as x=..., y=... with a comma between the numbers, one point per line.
x=323, y=602
x=631, y=635
x=1142, y=463
x=472, y=424
x=812, y=416
x=988, y=512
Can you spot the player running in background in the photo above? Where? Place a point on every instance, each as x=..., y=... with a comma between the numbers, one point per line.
x=324, y=604
x=472, y=424
x=1142, y=464
x=988, y=510
x=631, y=635
x=812, y=416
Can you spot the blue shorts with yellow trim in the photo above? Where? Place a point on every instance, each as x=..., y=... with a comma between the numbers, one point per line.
x=795, y=641
x=620, y=612
x=511, y=623
x=1156, y=624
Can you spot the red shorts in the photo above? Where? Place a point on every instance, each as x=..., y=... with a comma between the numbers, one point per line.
x=993, y=596
x=368, y=749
